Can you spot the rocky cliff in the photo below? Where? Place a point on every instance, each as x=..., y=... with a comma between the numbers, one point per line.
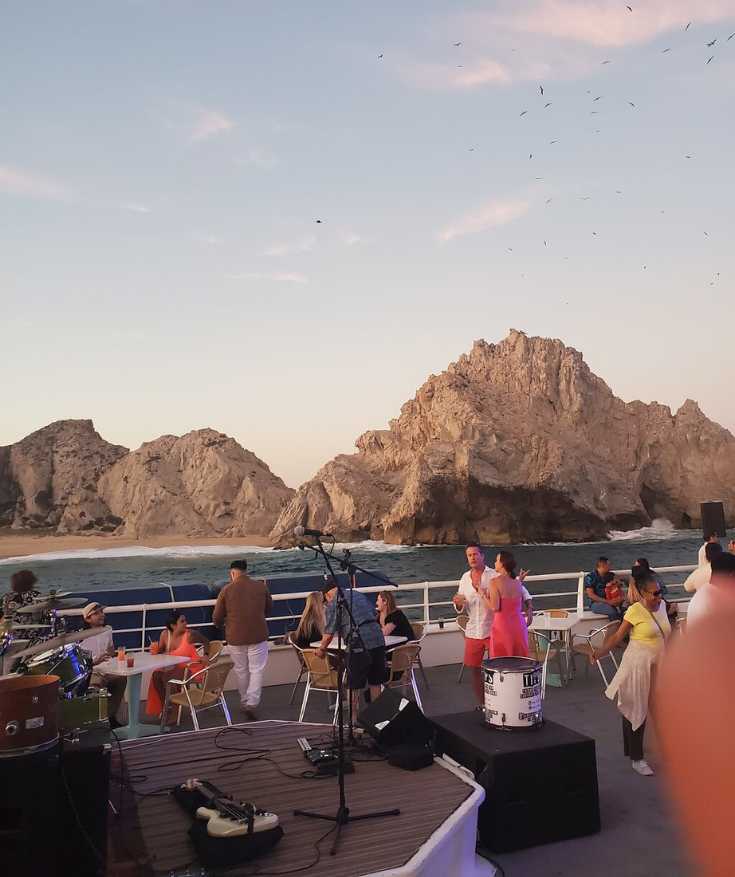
x=518, y=441
x=48, y=480
x=66, y=478
x=200, y=484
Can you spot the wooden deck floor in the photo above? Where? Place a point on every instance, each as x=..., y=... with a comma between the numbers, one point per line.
x=150, y=836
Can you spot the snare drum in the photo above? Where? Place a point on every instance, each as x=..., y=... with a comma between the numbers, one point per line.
x=29, y=707
x=512, y=692
x=70, y=663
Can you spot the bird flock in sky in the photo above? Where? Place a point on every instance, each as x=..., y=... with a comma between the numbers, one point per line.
x=708, y=58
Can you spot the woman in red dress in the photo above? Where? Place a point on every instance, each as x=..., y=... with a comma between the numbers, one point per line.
x=176, y=639
x=505, y=598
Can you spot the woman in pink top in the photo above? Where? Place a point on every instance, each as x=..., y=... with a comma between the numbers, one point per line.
x=505, y=598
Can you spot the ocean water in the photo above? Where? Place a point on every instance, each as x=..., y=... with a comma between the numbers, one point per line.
x=109, y=569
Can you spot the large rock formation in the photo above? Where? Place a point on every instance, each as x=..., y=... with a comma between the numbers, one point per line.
x=519, y=441
x=200, y=484
x=48, y=480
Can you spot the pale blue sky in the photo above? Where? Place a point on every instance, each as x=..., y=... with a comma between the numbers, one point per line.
x=162, y=165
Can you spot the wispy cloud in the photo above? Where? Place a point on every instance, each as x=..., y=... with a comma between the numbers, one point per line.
x=16, y=181
x=276, y=276
x=210, y=240
x=263, y=159
x=493, y=214
x=135, y=208
x=446, y=76
x=350, y=238
x=604, y=23
x=303, y=245
x=210, y=123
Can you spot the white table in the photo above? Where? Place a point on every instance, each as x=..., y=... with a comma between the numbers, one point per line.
x=544, y=623
x=144, y=663
x=390, y=642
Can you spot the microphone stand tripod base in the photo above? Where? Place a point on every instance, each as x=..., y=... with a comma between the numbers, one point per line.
x=343, y=817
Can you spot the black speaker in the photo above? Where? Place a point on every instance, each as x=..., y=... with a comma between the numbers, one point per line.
x=83, y=792
x=393, y=720
x=541, y=783
x=713, y=519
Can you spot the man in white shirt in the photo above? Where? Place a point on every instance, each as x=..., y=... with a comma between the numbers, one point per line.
x=718, y=594
x=469, y=600
x=709, y=539
x=701, y=574
x=101, y=648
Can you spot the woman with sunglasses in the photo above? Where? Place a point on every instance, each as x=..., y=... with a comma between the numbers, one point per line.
x=646, y=623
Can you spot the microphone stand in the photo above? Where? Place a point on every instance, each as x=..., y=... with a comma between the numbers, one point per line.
x=343, y=816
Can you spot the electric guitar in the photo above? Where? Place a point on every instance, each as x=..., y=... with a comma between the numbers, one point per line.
x=225, y=817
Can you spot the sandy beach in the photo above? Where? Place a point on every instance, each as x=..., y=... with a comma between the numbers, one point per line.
x=13, y=544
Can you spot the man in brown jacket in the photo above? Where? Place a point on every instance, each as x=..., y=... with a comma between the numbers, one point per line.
x=242, y=607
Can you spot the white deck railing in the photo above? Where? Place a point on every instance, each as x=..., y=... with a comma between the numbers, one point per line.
x=425, y=604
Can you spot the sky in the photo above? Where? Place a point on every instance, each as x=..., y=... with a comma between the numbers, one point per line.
x=278, y=219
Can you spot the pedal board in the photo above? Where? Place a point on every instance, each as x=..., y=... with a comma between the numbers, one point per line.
x=324, y=761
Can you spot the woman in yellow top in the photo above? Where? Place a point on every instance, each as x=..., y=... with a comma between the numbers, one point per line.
x=646, y=623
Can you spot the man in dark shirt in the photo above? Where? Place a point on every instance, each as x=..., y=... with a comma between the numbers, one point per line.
x=367, y=658
x=594, y=588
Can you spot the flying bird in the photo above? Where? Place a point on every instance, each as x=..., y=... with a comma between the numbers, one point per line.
x=318, y=221
x=524, y=112
x=552, y=142
x=380, y=56
x=688, y=26
x=706, y=234
x=618, y=191
x=541, y=89
x=457, y=45
x=631, y=103
x=687, y=156
x=606, y=62
x=709, y=45
x=665, y=51
x=547, y=105
x=530, y=156
x=585, y=197
x=599, y=97
x=710, y=59
x=549, y=200
x=594, y=234
x=730, y=37
x=629, y=8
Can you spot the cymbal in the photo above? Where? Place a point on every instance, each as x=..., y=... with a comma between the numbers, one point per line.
x=52, y=603
x=71, y=636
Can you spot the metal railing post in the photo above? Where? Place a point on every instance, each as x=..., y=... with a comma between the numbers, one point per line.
x=580, y=594
x=142, y=630
x=427, y=618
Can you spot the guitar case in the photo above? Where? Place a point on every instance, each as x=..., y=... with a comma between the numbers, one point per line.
x=222, y=852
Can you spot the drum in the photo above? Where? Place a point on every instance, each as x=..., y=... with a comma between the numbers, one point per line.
x=512, y=693
x=28, y=714
x=88, y=711
x=70, y=663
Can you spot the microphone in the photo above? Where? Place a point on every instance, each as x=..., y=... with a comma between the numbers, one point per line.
x=300, y=532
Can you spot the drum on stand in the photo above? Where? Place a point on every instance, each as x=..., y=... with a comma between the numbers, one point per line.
x=29, y=707
x=512, y=693
x=70, y=663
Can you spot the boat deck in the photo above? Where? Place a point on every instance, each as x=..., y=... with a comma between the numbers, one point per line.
x=638, y=839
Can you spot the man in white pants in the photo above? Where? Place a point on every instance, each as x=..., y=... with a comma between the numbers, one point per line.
x=242, y=607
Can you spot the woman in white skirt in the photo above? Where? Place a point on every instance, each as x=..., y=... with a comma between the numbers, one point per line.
x=646, y=623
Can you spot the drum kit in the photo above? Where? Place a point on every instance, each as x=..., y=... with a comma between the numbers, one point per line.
x=45, y=657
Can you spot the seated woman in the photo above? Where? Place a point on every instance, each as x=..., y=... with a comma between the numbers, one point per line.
x=176, y=639
x=392, y=620
x=311, y=623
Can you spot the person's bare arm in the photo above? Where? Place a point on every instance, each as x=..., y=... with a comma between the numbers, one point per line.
x=388, y=628
x=491, y=597
x=613, y=641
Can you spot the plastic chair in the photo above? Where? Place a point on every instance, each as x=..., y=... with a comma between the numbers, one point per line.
x=586, y=647
x=320, y=676
x=215, y=649
x=403, y=659
x=542, y=649
x=462, y=621
x=200, y=691
x=302, y=665
x=418, y=628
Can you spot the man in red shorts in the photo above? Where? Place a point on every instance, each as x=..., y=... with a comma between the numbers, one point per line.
x=469, y=601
